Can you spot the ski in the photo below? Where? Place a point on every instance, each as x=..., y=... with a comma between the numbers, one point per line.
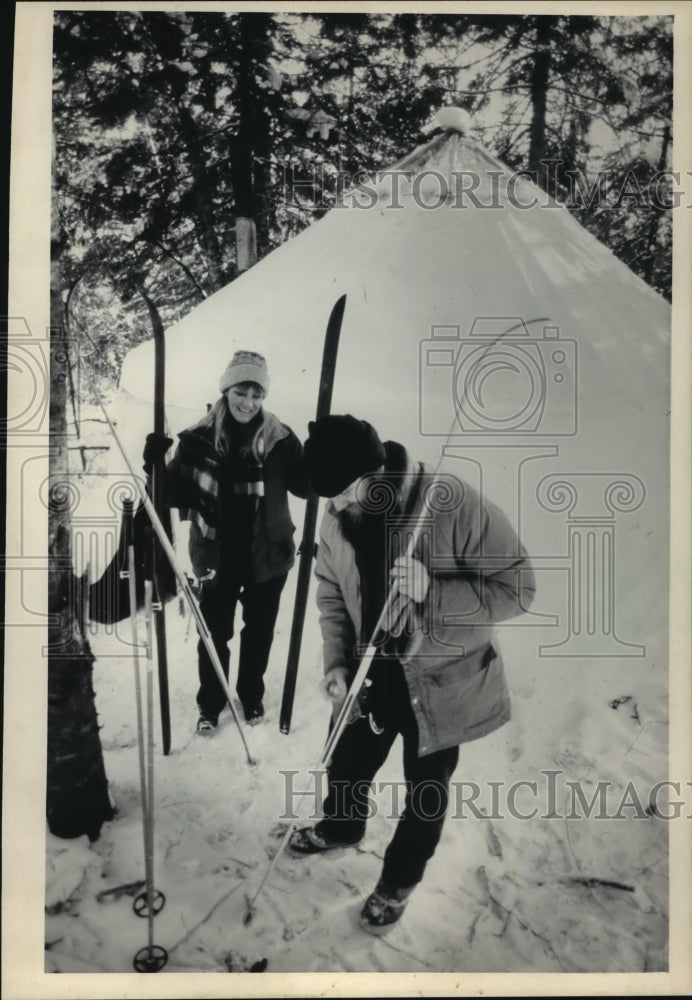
x=158, y=561
x=175, y=567
x=307, y=546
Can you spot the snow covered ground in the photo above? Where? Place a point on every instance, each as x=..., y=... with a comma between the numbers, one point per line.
x=503, y=893
x=555, y=855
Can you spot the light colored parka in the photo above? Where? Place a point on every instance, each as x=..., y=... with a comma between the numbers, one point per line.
x=479, y=574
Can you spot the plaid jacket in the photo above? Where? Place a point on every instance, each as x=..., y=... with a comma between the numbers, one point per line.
x=192, y=485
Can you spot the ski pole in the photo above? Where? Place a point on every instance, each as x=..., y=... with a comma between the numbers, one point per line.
x=149, y=846
x=127, y=517
x=205, y=635
x=157, y=493
x=347, y=705
x=151, y=958
x=364, y=667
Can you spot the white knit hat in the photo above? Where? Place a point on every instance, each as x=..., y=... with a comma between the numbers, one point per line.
x=245, y=366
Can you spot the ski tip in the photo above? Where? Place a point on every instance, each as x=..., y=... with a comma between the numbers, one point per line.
x=247, y=919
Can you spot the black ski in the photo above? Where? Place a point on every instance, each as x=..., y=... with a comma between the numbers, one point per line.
x=108, y=597
x=307, y=546
x=158, y=561
x=183, y=582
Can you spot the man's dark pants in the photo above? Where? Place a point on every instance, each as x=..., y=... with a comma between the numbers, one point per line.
x=360, y=753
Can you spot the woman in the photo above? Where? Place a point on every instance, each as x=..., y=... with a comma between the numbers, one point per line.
x=229, y=476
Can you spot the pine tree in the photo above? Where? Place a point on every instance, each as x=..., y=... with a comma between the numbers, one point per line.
x=634, y=216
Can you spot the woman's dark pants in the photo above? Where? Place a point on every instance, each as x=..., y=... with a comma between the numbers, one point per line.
x=260, y=604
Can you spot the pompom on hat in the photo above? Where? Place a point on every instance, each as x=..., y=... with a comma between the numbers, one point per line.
x=245, y=366
x=339, y=450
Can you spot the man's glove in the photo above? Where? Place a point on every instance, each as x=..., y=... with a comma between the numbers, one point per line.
x=155, y=448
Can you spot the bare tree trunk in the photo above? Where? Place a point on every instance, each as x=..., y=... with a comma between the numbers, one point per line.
x=540, y=76
x=156, y=28
x=77, y=800
x=250, y=149
x=656, y=212
x=204, y=211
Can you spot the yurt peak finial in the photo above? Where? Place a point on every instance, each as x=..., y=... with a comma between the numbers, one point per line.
x=449, y=119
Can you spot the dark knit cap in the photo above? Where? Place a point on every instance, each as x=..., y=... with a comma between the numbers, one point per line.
x=338, y=451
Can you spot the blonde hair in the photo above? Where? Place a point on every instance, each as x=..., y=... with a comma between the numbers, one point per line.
x=221, y=423
x=217, y=419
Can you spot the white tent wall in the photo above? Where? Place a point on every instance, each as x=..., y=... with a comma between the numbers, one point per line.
x=575, y=450
x=548, y=361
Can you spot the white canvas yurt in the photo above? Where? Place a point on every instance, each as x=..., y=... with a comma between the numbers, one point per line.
x=486, y=327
